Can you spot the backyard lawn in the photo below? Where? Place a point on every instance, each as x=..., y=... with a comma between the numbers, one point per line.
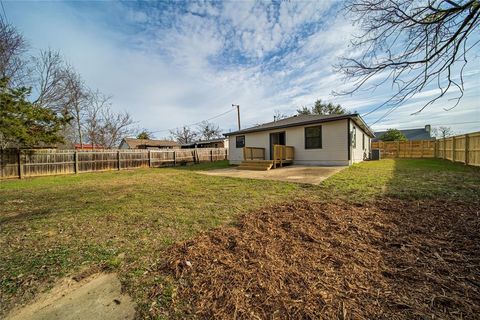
x=136, y=223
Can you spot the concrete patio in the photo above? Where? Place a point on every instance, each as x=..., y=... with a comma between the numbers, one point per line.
x=295, y=173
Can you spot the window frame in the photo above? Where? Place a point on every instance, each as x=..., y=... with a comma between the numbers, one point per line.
x=305, y=137
x=237, y=142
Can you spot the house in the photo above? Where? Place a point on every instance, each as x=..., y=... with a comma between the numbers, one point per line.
x=331, y=140
x=131, y=143
x=212, y=143
x=88, y=146
x=410, y=134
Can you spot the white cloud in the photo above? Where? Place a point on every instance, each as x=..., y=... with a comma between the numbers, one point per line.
x=173, y=66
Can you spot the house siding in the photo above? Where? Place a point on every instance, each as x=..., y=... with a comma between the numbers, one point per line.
x=359, y=152
x=334, y=151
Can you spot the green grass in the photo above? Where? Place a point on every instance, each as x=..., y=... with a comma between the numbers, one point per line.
x=406, y=179
x=56, y=226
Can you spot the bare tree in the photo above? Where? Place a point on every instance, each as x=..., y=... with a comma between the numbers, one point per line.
x=76, y=102
x=208, y=130
x=115, y=127
x=442, y=132
x=103, y=126
x=49, y=77
x=412, y=44
x=12, y=47
x=93, y=118
x=183, y=135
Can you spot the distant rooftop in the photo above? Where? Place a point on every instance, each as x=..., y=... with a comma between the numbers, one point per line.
x=410, y=134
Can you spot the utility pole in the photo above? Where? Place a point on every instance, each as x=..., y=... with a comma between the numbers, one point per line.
x=238, y=114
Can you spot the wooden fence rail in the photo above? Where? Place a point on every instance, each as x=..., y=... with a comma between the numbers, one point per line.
x=34, y=162
x=463, y=148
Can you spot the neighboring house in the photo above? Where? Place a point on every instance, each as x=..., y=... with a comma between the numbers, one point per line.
x=410, y=134
x=332, y=140
x=131, y=143
x=88, y=146
x=212, y=143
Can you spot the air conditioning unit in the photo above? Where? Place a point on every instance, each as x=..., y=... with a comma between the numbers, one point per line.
x=375, y=154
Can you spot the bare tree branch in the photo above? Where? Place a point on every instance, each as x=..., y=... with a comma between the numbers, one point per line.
x=12, y=47
x=184, y=135
x=208, y=130
x=414, y=44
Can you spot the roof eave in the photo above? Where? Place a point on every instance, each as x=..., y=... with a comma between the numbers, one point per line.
x=340, y=117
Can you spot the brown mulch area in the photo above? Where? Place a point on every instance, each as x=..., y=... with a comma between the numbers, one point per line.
x=308, y=260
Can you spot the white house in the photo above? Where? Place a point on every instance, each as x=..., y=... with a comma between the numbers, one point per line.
x=331, y=140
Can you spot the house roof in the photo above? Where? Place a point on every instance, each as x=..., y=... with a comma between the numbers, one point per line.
x=410, y=134
x=204, y=141
x=300, y=120
x=134, y=143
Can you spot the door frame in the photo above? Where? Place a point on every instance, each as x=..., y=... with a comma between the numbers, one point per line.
x=270, y=146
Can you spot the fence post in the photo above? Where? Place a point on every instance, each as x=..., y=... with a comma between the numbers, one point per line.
x=174, y=158
x=20, y=166
x=149, y=159
x=75, y=160
x=398, y=149
x=453, y=149
x=467, y=142
x=226, y=154
x=211, y=155
x=118, y=160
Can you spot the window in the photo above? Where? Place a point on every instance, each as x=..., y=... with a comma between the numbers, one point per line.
x=313, y=137
x=240, y=141
x=363, y=141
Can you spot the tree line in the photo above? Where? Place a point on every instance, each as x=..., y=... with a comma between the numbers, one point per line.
x=45, y=101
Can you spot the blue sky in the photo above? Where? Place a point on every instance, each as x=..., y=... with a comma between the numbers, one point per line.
x=176, y=63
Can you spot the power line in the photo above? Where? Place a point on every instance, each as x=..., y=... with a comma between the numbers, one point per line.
x=199, y=122
x=446, y=124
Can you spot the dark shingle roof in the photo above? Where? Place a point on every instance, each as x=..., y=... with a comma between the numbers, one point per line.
x=410, y=134
x=299, y=120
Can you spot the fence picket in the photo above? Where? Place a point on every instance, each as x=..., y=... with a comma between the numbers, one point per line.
x=462, y=148
x=41, y=162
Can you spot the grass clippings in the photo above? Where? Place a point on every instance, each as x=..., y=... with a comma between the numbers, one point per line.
x=308, y=260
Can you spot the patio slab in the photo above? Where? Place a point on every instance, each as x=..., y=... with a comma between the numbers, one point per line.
x=295, y=173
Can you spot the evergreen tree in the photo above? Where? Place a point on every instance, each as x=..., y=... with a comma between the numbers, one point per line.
x=23, y=124
x=322, y=108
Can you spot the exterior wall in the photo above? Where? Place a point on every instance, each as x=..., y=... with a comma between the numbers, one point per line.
x=359, y=152
x=123, y=145
x=334, y=151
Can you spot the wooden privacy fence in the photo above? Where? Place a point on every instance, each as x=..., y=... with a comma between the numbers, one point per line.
x=463, y=148
x=32, y=163
x=406, y=149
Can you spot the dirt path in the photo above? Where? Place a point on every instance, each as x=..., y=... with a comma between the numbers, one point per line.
x=96, y=297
